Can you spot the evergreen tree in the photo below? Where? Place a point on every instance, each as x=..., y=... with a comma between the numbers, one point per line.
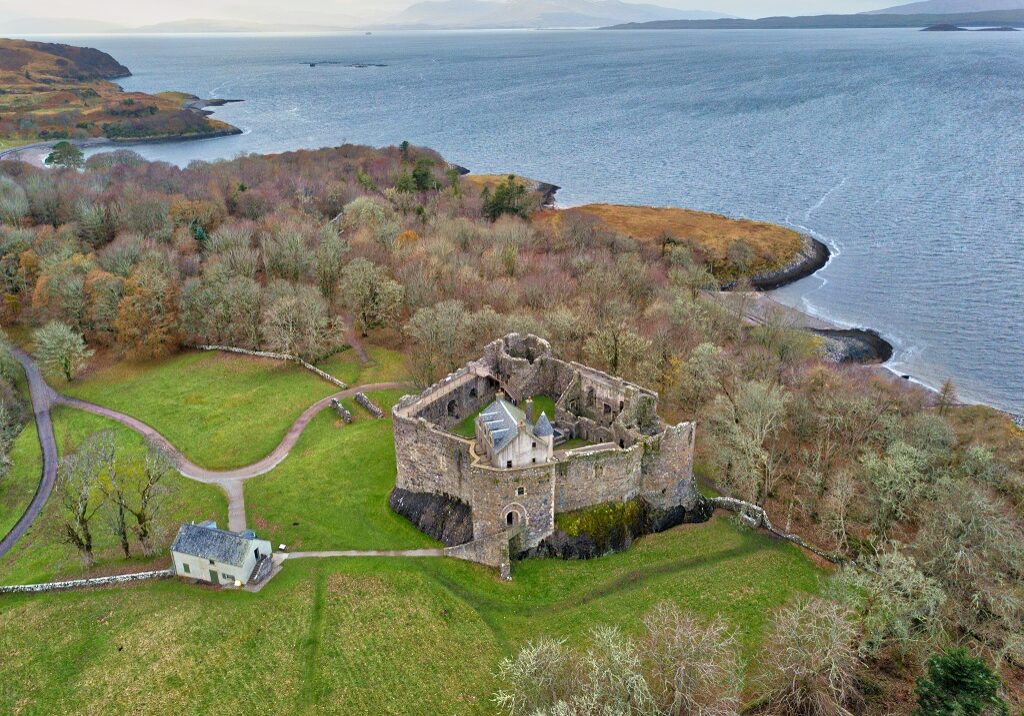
x=66, y=155
x=957, y=684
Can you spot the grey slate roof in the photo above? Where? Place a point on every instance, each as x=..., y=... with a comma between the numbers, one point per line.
x=208, y=542
x=502, y=420
x=543, y=427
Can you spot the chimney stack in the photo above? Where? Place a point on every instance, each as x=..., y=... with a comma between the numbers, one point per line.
x=529, y=410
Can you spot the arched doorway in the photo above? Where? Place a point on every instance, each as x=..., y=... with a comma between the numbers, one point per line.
x=513, y=515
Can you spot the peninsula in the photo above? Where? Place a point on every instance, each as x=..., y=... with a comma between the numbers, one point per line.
x=52, y=92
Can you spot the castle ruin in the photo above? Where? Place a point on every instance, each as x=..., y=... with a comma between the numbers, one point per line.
x=513, y=476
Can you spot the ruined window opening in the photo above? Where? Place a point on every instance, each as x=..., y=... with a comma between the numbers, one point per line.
x=520, y=491
x=472, y=392
x=622, y=443
x=607, y=409
x=591, y=397
x=622, y=404
x=508, y=463
x=453, y=409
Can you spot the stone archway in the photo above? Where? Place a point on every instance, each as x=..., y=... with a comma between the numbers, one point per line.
x=513, y=515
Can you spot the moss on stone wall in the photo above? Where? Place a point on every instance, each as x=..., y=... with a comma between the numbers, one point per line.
x=608, y=525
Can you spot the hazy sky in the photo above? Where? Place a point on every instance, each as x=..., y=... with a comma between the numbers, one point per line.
x=136, y=12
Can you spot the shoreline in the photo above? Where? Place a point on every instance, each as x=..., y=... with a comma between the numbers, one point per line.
x=36, y=153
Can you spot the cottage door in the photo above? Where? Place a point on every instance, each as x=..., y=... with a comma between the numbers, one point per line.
x=213, y=577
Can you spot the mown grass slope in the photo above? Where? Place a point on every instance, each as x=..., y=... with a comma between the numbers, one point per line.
x=222, y=410
x=331, y=492
x=366, y=636
x=42, y=555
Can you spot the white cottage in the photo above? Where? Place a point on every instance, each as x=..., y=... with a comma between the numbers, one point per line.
x=217, y=556
x=508, y=437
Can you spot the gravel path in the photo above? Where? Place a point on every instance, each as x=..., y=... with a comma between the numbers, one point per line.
x=43, y=398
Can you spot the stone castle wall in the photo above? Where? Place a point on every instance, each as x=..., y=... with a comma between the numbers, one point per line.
x=656, y=464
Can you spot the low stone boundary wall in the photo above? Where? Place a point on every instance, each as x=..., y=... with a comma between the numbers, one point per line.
x=346, y=416
x=374, y=409
x=84, y=583
x=275, y=356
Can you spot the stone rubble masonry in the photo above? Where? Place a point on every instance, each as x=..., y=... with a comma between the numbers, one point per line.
x=374, y=409
x=91, y=582
x=643, y=456
x=275, y=356
x=346, y=416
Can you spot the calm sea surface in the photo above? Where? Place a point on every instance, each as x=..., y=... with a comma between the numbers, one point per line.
x=902, y=150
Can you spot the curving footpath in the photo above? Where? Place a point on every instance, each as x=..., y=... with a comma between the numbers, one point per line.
x=230, y=481
x=43, y=398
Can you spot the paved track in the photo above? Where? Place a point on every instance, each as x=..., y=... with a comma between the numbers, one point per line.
x=43, y=398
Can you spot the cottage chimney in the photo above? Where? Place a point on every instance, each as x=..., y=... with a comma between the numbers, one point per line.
x=499, y=395
x=529, y=410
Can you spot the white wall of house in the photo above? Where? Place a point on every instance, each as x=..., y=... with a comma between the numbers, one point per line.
x=192, y=567
x=525, y=449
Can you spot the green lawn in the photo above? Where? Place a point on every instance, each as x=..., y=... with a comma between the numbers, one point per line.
x=331, y=492
x=19, y=485
x=41, y=555
x=366, y=636
x=385, y=366
x=221, y=410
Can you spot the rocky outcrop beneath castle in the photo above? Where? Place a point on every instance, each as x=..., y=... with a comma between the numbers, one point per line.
x=616, y=538
x=444, y=518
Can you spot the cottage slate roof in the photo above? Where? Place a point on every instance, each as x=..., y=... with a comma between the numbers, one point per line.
x=208, y=542
x=543, y=427
x=502, y=420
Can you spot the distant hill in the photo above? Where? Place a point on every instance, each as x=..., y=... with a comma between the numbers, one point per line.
x=52, y=60
x=949, y=7
x=50, y=91
x=200, y=25
x=534, y=13
x=1009, y=18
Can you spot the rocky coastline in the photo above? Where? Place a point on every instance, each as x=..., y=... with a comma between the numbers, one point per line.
x=811, y=258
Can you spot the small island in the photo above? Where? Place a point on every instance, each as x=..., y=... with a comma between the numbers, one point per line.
x=948, y=27
x=52, y=92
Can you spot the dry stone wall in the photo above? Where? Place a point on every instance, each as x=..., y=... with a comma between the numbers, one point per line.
x=84, y=583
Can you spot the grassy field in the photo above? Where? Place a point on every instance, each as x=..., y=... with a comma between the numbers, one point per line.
x=385, y=366
x=19, y=485
x=331, y=492
x=41, y=555
x=221, y=410
x=366, y=636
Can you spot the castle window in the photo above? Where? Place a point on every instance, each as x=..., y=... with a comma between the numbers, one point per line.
x=622, y=443
x=607, y=409
x=472, y=392
x=508, y=463
x=534, y=446
x=453, y=409
x=520, y=491
x=622, y=404
x=534, y=460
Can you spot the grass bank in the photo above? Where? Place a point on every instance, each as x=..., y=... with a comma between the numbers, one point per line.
x=367, y=636
x=42, y=555
x=222, y=410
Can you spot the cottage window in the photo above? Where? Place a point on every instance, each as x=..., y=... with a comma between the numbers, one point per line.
x=212, y=562
x=508, y=463
x=534, y=446
x=184, y=566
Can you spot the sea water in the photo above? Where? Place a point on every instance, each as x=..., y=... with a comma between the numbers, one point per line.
x=901, y=150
